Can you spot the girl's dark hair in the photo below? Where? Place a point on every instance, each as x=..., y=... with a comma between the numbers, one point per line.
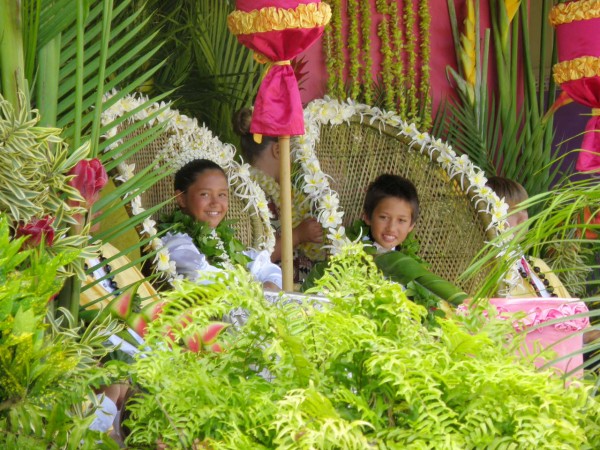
x=188, y=174
x=241, y=125
x=388, y=185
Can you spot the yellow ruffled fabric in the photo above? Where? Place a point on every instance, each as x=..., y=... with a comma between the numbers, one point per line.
x=309, y=15
x=575, y=69
x=574, y=11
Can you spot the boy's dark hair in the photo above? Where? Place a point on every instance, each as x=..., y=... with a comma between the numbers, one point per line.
x=388, y=185
x=188, y=173
x=241, y=125
x=512, y=192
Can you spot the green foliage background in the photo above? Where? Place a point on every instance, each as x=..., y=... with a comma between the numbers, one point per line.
x=46, y=374
x=358, y=370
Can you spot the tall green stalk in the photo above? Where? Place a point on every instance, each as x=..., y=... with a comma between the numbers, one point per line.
x=106, y=22
x=12, y=60
x=47, y=84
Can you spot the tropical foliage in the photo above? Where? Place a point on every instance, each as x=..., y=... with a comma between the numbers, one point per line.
x=212, y=74
x=285, y=380
x=402, y=29
x=560, y=222
x=46, y=374
x=501, y=118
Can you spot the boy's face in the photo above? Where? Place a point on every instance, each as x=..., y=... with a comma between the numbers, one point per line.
x=207, y=198
x=391, y=222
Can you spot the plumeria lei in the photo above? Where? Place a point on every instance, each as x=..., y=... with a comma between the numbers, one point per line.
x=314, y=182
x=186, y=141
x=301, y=209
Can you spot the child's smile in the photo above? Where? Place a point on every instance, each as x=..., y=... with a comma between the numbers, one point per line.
x=207, y=198
x=391, y=222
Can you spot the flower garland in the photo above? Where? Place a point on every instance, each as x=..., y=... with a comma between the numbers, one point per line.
x=300, y=209
x=325, y=201
x=218, y=245
x=186, y=141
x=424, y=81
x=367, y=65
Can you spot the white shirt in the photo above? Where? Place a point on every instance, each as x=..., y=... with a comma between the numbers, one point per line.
x=189, y=262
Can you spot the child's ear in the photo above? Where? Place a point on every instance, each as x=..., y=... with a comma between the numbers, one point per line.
x=180, y=199
x=275, y=150
x=412, y=225
x=366, y=219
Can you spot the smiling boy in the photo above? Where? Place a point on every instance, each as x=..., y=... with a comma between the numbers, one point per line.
x=391, y=209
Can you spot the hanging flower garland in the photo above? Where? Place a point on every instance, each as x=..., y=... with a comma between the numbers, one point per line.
x=325, y=200
x=186, y=141
x=300, y=209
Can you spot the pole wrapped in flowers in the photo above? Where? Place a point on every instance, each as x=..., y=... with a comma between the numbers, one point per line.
x=278, y=31
x=577, y=26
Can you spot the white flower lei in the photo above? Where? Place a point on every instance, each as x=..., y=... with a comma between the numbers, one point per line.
x=197, y=142
x=301, y=209
x=328, y=111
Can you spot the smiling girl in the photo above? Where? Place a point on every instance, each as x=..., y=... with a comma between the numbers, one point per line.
x=199, y=241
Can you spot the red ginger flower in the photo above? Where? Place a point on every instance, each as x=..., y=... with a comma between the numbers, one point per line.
x=37, y=230
x=90, y=178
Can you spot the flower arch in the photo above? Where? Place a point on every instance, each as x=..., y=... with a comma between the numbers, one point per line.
x=187, y=140
x=325, y=201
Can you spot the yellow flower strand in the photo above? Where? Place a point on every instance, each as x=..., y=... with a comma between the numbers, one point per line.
x=574, y=11
x=468, y=58
x=309, y=15
x=575, y=69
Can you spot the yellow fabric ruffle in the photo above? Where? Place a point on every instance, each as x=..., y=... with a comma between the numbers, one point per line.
x=309, y=15
x=575, y=69
x=574, y=11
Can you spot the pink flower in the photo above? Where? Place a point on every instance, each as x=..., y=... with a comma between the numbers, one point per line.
x=37, y=230
x=90, y=178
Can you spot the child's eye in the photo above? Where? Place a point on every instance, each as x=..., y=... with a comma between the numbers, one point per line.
x=223, y=195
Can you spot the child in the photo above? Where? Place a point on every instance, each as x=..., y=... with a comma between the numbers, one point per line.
x=537, y=280
x=264, y=159
x=390, y=210
x=198, y=241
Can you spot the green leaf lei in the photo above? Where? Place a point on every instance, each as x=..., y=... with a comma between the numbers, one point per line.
x=218, y=245
x=410, y=246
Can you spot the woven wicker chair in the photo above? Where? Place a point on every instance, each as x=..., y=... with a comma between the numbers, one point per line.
x=451, y=230
x=251, y=224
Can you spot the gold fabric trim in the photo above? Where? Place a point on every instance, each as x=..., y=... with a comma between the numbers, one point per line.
x=575, y=69
x=574, y=11
x=309, y=15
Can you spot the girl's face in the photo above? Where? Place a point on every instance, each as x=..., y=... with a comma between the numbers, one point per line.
x=207, y=198
x=391, y=222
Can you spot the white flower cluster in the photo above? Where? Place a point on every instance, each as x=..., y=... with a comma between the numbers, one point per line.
x=187, y=141
x=332, y=112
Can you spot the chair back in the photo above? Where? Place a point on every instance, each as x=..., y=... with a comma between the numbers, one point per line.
x=453, y=225
x=177, y=145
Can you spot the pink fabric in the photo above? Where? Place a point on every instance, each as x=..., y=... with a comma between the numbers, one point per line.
x=587, y=92
x=540, y=311
x=278, y=107
x=589, y=156
x=574, y=40
x=250, y=5
x=577, y=39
